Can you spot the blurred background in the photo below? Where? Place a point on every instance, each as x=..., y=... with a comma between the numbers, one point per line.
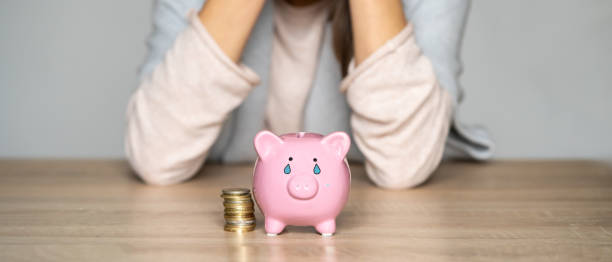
x=538, y=75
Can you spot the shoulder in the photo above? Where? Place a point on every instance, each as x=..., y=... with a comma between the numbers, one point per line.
x=169, y=19
x=173, y=11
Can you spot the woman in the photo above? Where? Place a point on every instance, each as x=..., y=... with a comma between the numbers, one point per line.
x=216, y=76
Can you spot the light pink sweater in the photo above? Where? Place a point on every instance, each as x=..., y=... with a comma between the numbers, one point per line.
x=177, y=113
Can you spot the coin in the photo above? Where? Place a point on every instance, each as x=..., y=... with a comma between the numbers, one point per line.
x=245, y=202
x=237, y=201
x=238, y=217
x=237, y=205
x=238, y=210
x=242, y=213
x=239, y=214
x=236, y=214
x=239, y=229
x=247, y=195
x=240, y=222
x=234, y=198
x=236, y=191
x=240, y=225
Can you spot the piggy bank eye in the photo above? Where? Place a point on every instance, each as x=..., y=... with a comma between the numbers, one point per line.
x=287, y=169
x=316, y=169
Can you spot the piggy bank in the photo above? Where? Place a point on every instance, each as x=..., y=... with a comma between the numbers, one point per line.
x=301, y=179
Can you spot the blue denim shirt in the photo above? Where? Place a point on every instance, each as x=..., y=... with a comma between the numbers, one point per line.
x=438, y=26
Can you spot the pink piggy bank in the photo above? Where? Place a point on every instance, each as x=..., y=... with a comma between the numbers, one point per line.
x=301, y=179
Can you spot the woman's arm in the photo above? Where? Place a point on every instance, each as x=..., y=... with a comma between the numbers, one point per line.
x=178, y=110
x=230, y=23
x=374, y=23
x=400, y=116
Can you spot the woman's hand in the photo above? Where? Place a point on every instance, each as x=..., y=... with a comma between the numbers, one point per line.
x=374, y=23
x=230, y=23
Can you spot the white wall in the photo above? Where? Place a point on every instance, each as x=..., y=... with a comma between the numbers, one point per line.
x=67, y=68
x=538, y=75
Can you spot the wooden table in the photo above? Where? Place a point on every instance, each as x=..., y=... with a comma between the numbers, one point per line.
x=97, y=211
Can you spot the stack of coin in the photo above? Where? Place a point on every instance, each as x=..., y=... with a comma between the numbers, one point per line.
x=238, y=212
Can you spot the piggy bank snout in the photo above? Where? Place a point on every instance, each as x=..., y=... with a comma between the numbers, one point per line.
x=303, y=187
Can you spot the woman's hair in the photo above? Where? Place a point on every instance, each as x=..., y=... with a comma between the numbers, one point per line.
x=342, y=34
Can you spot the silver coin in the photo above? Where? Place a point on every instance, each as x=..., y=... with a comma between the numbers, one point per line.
x=236, y=191
x=240, y=222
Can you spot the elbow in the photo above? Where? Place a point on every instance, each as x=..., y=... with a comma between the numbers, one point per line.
x=403, y=174
x=154, y=170
x=149, y=161
x=158, y=173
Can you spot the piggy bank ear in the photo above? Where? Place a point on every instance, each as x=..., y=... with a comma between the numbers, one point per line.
x=265, y=143
x=338, y=142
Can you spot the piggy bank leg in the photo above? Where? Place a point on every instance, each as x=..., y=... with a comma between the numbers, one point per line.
x=327, y=227
x=273, y=226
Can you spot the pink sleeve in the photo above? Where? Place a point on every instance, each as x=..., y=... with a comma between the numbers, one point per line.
x=401, y=115
x=176, y=114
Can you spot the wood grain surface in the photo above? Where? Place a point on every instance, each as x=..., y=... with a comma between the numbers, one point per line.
x=96, y=210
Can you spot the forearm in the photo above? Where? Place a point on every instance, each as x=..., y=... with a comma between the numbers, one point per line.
x=400, y=115
x=230, y=22
x=177, y=113
x=374, y=22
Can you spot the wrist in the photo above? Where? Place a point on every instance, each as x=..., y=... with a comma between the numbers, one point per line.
x=374, y=22
x=230, y=22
